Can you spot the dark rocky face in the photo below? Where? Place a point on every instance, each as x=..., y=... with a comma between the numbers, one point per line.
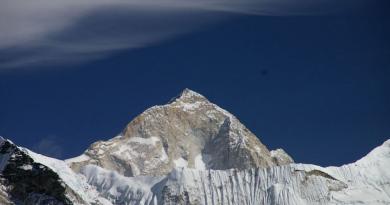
x=30, y=182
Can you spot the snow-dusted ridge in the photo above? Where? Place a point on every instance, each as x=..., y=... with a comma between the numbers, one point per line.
x=189, y=131
x=366, y=181
x=189, y=151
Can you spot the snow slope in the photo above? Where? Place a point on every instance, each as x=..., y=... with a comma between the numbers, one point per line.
x=191, y=151
x=366, y=181
x=75, y=181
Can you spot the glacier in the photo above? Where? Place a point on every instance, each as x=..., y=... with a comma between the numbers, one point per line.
x=366, y=181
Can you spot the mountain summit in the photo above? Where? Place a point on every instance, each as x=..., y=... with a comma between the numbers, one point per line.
x=188, y=152
x=189, y=131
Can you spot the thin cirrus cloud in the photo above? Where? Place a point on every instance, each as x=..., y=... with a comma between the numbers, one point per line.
x=48, y=32
x=49, y=146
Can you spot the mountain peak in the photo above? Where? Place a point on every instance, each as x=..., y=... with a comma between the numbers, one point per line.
x=189, y=96
x=189, y=93
x=189, y=131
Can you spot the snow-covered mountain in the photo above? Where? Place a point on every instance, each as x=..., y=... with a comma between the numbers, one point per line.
x=188, y=132
x=189, y=151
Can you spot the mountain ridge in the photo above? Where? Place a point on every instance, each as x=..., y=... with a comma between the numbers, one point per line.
x=188, y=152
x=297, y=184
x=188, y=131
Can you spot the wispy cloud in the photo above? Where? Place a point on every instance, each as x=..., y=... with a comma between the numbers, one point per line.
x=46, y=32
x=49, y=146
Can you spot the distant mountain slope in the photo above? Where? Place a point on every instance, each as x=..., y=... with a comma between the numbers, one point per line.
x=188, y=132
x=189, y=151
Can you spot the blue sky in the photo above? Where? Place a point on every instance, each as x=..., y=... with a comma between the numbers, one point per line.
x=315, y=85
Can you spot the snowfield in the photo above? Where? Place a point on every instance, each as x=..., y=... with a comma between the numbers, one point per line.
x=366, y=181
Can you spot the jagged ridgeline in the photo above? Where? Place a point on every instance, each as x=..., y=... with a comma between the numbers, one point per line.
x=188, y=132
x=188, y=152
x=29, y=182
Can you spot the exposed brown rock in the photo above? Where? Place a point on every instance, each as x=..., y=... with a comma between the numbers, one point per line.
x=189, y=131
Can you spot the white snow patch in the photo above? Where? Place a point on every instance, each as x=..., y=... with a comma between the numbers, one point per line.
x=26, y=167
x=75, y=181
x=278, y=153
x=258, y=150
x=80, y=158
x=118, y=188
x=164, y=155
x=190, y=106
x=180, y=162
x=146, y=141
x=199, y=163
x=100, y=152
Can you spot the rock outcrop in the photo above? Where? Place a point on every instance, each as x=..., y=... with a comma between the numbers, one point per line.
x=28, y=182
x=190, y=132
